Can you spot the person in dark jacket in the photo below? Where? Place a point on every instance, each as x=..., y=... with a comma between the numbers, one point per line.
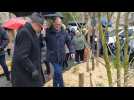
x=46, y=66
x=26, y=70
x=3, y=44
x=71, y=34
x=56, y=38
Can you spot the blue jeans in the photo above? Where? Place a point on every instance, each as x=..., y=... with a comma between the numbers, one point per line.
x=58, y=78
x=4, y=65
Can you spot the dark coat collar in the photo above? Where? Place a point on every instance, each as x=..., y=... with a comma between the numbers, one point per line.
x=29, y=26
x=52, y=30
x=32, y=31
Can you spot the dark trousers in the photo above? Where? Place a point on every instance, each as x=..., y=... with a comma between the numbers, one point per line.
x=79, y=56
x=4, y=65
x=65, y=63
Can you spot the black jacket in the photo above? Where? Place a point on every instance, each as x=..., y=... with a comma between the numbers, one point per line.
x=26, y=58
x=3, y=40
x=56, y=45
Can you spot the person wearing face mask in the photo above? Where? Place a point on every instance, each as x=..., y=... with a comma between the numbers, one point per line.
x=27, y=70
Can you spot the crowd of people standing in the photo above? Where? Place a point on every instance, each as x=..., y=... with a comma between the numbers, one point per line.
x=37, y=45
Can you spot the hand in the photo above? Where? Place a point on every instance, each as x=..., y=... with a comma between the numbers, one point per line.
x=72, y=56
x=35, y=74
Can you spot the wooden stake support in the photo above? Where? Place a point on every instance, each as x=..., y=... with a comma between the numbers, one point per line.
x=81, y=79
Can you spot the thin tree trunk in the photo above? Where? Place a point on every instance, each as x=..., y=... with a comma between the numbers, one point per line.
x=88, y=67
x=126, y=56
x=93, y=45
x=97, y=56
x=105, y=51
x=91, y=81
x=117, y=65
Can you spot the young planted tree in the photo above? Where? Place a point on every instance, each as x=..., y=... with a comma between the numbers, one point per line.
x=126, y=56
x=105, y=51
x=93, y=23
x=117, y=44
x=88, y=42
x=97, y=53
x=75, y=19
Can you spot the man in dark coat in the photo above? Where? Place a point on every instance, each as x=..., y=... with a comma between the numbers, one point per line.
x=27, y=71
x=3, y=44
x=56, y=38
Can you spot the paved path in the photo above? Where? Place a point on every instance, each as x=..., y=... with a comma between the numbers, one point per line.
x=4, y=82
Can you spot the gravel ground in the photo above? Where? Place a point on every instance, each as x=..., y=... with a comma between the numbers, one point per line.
x=4, y=82
x=99, y=76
